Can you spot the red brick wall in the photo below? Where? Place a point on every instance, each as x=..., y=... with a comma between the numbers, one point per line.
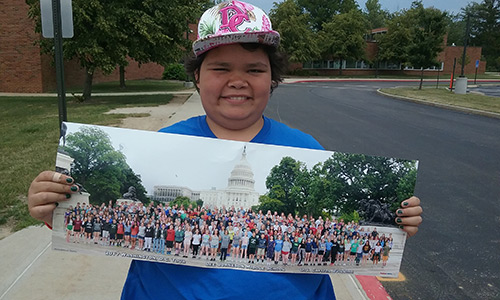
x=74, y=75
x=473, y=54
x=20, y=63
x=23, y=69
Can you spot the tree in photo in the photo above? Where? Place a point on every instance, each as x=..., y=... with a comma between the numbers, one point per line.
x=266, y=203
x=282, y=183
x=99, y=168
x=359, y=180
x=343, y=37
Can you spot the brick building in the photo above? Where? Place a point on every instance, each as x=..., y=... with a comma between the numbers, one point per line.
x=353, y=68
x=24, y=70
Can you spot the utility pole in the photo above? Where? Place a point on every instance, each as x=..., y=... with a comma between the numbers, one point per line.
x=461, y=86
x=466, y=43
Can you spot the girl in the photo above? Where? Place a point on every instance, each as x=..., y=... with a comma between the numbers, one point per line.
x=205, y=244
x=236, y=243
x=170, y=239
x=196, y=242
x=188, y=236
x=244, y=245
x=214, y=244
x=287, y=246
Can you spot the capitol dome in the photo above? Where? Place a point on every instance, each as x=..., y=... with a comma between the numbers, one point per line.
x=242, y=175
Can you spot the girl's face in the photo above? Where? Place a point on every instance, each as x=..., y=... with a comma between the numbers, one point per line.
x=234, y=87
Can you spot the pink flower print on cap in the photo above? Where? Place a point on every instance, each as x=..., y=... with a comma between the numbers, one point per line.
x=233, y=22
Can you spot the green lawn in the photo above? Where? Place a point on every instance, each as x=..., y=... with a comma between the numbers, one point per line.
x=133, y=86
x=29, y=137
x=444, y=96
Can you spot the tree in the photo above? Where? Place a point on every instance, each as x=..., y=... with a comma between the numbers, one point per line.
x=156, y=31
x=343, y=37
x=415, y=37
x=427, y=34
x=322, y=11
x=106, y=33
x=375, y=15
x=100, y=168
x=266, y=203
x=485, y=29
x=281, y=183
x=456, y=30
x=298, y=41
x=354, y=177
x=182, y=201
x=394, y=45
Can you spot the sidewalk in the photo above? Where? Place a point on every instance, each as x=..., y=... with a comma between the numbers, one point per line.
x=35, y=271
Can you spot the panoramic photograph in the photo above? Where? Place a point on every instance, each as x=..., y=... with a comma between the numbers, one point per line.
x=228, y=204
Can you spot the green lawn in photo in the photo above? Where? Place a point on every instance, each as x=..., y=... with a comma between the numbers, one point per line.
x=444, y=96
x=29, y=138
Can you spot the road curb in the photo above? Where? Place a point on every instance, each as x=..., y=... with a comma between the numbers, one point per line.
x=441, y=105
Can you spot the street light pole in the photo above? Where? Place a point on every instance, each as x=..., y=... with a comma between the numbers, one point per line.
x=466, y=42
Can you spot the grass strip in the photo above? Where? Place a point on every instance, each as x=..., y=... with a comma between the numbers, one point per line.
x=444, y=96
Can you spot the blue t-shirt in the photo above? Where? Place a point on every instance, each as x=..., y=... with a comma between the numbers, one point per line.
x=272, y=132
x=148, y=280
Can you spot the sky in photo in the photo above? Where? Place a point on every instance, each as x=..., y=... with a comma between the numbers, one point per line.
x=453, y=6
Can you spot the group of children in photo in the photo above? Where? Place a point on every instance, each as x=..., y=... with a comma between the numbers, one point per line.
x=233, y=234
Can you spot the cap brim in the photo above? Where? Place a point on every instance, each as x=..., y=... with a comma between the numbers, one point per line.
x=270, y=38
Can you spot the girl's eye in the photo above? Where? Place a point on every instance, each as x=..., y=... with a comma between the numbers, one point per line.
x=220, y=69
x=256, y=71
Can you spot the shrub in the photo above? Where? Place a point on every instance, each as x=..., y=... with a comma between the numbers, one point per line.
x=174, y=72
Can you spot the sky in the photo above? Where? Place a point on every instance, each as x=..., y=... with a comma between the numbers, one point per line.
x=452, y=6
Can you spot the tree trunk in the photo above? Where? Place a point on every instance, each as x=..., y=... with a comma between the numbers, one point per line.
x=340, y=69
x=377, y=68
x=421, y=79
x=122, y=77
x=87, y=87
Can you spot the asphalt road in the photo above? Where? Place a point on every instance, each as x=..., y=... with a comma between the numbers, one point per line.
x=456, y=254
x=489, y=90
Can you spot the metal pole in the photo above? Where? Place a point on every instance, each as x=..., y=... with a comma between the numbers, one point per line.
x=475, y=77
x=58, y=55
x=437, y=83
x=453, y=74
x=466, y=41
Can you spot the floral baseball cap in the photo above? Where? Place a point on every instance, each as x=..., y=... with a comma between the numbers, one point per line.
x=232, y=22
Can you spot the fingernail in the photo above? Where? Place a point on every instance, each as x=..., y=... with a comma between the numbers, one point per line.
x=398, y=220
x=68, y=196
x=69, y=180
x=400, y=212
x=406, y=203
x=57, y=204
x=74, y=188
x=401, y=227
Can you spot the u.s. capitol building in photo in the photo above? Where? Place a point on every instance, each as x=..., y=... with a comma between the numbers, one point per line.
x=240, y=191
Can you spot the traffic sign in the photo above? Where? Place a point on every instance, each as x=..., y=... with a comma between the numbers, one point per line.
x=47, y=9
x=477, y=63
